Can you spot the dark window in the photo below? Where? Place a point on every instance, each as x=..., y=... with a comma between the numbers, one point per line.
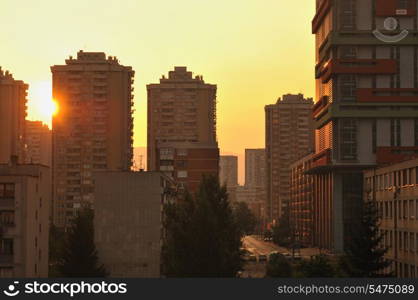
x=6, y=247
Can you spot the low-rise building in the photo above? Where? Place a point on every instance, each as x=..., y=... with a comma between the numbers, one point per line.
x=395, y=190
x=128, y=221
x=25, y=196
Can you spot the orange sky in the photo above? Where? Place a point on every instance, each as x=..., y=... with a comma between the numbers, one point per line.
x=254, y=50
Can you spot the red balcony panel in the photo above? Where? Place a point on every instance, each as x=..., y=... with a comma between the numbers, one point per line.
x=321, y=159
x=388, y=8
x=392, y=155
x=357, y=66
x=320, y=15
x=387, y=95
x=320, y=106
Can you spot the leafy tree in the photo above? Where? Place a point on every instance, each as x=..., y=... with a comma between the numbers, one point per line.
x=56, y=247
x=79, y=256
x=364, y=255
x=244, y=217
x=318, y=266
x=278, y=266
x=282, y=231
x=202, y=238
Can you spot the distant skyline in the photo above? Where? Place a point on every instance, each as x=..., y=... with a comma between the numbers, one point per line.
x=255, y=51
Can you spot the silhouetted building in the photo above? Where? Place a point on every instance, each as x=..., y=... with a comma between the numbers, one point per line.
x=228, y=174
x=366, y=106
x=129, y=231
x=12, y=117
x=395, y=190
x=25, y=197
x=182, y=128
x=93, y=129
x=38, y=143
x=255, y=168
x=289, y=136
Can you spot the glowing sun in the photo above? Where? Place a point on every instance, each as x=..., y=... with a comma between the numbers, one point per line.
x=41, y=106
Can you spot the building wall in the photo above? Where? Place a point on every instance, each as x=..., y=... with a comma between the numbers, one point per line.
x=395, y=190
x=93, y=129
x=38, y=143
x=25, y=198
x=301, y=205
x=182, y=115
x=289, y=136
x=128, y=232
x=12, y=117
x=255, y=168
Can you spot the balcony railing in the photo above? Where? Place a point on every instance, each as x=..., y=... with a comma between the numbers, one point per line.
x=320, y=15
x=320, y=106
x=391, y=155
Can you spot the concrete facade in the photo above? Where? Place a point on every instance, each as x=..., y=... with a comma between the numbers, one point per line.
x=289, y=136
x=25, y=197
x=93, y=129
x=128, y=232
x=395, y=190
x=12, y=117
x=182, y=120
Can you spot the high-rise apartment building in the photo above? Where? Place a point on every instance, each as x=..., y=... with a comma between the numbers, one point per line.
x=228, y=174
x=366, y=102
x=394, y=189
x=12, y=117
x=129, y=232
x=182, y=128
x=93, y=129
x=25, y=197
x=38, y=143
x=255, y=168
x=289, y=136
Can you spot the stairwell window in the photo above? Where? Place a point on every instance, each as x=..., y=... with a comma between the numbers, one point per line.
x=348, y=139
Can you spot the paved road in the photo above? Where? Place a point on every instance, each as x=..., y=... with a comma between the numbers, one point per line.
x=259, y=247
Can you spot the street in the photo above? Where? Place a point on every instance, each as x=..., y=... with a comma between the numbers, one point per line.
x=257, y=246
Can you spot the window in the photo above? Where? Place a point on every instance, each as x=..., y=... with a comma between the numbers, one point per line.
x=348, y=86
x=181, y=174
x=403, y=4
x=395, y=132
x=182, y=152
x=347, y=52
x=374, y=135
x=6, y=247
x=416, y=132
x=349, y=139
x=7, y=190
x=7, y=218
x=347, y=15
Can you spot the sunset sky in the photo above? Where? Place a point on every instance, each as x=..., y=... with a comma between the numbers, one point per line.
x=254, y=50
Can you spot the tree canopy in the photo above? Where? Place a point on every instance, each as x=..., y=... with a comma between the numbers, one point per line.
x=202, y=238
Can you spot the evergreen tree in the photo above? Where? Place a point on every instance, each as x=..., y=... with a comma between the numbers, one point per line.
x=364, y=253
x=278, y=266
x=79, y=256
x=318, y=266
x=202, y=238
x=244, y=217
